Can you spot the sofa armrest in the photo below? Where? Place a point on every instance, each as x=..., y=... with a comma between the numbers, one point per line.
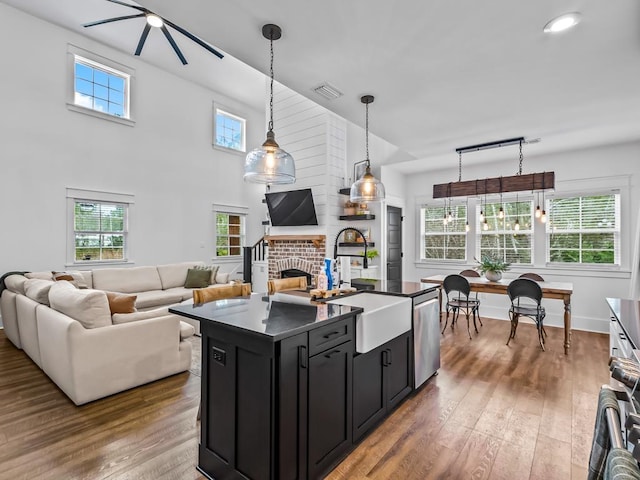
x=91, y=363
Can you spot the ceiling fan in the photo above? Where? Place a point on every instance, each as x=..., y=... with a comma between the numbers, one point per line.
x=156, y=21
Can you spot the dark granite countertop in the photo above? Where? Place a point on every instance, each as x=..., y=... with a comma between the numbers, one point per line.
x=627, y=312
x=276, y=317
x=397, y=288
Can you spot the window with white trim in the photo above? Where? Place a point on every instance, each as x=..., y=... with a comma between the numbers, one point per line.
x=229, y=131
x=99, y=227
x=444, y=237
x=498, y=235
x=100, y=88
x=584, y=230
x=230, y=233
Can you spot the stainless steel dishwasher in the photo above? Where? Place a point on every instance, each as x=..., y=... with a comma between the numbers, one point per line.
x=426, y=336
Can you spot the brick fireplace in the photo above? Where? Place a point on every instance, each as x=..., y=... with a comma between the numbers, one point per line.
x=296, y=252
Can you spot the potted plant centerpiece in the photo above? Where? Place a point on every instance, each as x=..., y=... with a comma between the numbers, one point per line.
x=492, y=268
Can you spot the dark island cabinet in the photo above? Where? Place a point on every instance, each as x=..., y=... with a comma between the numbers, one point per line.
x=270, y=410
x=381, y=380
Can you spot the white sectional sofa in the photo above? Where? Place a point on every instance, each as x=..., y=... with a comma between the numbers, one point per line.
x=86, y=350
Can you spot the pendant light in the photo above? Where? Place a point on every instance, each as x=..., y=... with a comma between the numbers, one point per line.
x=367, y=188
x=543, y=215
x=516, y=226
x=269, y=163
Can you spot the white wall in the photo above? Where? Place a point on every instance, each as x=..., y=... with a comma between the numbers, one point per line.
x=166, y=160
x=589, y=168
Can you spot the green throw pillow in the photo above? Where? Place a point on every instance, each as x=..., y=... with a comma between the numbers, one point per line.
x=197, y=278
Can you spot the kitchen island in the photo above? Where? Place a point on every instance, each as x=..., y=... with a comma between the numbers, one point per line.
x=277, y=385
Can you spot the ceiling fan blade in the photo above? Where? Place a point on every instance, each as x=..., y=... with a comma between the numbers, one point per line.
x=173, y=44
x=142, y=9
x=143, y=38
x=114, y=19
x=194, y=38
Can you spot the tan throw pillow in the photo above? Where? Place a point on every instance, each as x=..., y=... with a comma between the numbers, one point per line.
x=75, y=278
x=121, y=302
x=211, y=268
x=197, y=278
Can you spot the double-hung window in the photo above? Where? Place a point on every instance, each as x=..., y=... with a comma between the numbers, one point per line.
x=444, y=236
x=500, y=238
x=584, y=230
x=230, y=233
x=99, y=226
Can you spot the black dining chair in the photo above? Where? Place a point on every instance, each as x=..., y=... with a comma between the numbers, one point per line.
x=526, y=298
x=473, y=274
x=532, y=276
x=457, y=290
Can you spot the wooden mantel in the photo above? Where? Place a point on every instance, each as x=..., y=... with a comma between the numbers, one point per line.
x=315, y=239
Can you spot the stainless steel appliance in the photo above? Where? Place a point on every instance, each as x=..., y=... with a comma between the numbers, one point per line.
x=426, y=336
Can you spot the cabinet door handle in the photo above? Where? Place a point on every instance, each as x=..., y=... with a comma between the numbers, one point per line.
x=332, y=353
x=390, y=356
x=302, y=356
x=331, y=334
x=622, y=336
x=384, y=358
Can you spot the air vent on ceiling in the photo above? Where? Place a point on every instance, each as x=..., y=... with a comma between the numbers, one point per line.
x=328, y=91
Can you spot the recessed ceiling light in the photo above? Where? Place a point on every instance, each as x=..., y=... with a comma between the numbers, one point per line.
x=154, y=20
x=562, y=23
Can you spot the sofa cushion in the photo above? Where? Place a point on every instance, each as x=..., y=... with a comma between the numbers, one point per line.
x=75, y=277
x=121, y=302
x=89, y=307
x=38, y=290
x=186, y=330
x=40, y=275
x=15, y=283
x=175, y=274
x=197, y=278
x=157, y=298
x=127, y=280
x=185, y=293
x=118, y=318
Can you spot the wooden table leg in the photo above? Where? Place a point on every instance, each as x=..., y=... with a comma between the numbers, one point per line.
x=567, y=324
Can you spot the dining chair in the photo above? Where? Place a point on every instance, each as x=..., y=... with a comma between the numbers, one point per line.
x=532, y=276
x=473, y=274
x=279, y=284
x=457, y=289
x=526, y=297
x=211, y=294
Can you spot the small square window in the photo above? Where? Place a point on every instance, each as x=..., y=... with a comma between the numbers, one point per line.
x=229, y=131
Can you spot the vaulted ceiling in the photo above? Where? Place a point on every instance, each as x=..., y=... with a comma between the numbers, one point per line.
x=444, y=74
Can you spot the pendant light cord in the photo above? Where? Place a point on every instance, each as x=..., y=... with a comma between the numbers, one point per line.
x=271, y=88
x=521, y=158
x=366, y=130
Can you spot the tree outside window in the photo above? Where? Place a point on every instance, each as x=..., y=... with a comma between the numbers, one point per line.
x=444, y=239
x=499, y=237
x=229, y=234
x=99, y=231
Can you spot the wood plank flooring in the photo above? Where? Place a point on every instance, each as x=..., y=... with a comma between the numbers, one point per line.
x=492, y=412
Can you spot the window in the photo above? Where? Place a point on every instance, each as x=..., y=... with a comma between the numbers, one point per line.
x=229, y=131
x=229, y=234
x=99, y=87
x=584, y=230
x=444, y=240
x=498, y=237
x=99, y=226
x=99, y=231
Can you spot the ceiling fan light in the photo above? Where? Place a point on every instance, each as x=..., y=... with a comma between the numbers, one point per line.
x=562, y=23
x=154, y=20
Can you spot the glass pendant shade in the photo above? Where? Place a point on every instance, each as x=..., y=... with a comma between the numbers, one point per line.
x=269, y=164
x=367, y=188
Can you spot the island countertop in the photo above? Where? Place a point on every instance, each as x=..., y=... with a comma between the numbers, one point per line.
x=265, y=316
x=397, y=288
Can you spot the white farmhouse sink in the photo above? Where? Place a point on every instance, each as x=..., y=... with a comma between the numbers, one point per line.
x=384, y=318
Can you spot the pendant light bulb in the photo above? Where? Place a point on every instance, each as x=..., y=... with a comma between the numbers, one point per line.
x=449, y=217
x=543, y=217
x=538, y=211
x=516, y=226
x=501, y=213
x=467, y=228
x=481, y=216
x=269, y=163
x=367, y=188
x=485, y=225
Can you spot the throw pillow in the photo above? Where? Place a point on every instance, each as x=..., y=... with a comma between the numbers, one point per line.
x=197, y=278
x=75, y=278
x=121, y=302
x=222, y=277
x=213, y=269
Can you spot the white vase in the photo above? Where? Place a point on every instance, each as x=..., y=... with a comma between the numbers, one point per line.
x=492, y=276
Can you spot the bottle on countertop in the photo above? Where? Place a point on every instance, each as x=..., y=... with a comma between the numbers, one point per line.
x=328, y=273
x=322, y=282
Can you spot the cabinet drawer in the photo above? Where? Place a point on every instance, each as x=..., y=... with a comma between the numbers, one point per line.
x=329, y=336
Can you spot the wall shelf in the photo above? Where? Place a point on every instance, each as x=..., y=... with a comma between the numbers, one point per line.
x=356, y=244
x=345, y=191
x=368, y=216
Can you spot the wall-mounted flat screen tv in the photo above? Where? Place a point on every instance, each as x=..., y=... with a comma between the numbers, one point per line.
x=291, y=209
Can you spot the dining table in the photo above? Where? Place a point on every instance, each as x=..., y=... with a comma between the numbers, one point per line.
x=553, y=290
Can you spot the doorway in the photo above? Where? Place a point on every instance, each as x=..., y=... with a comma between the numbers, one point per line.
x=394, y=247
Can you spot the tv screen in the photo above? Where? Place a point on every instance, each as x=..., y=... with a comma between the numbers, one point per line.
x=290, y=209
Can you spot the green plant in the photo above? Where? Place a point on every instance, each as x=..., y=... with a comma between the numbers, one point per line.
x=371, y=253
x=491, y=264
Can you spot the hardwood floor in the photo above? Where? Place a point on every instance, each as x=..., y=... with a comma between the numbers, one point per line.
x=492, y=412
